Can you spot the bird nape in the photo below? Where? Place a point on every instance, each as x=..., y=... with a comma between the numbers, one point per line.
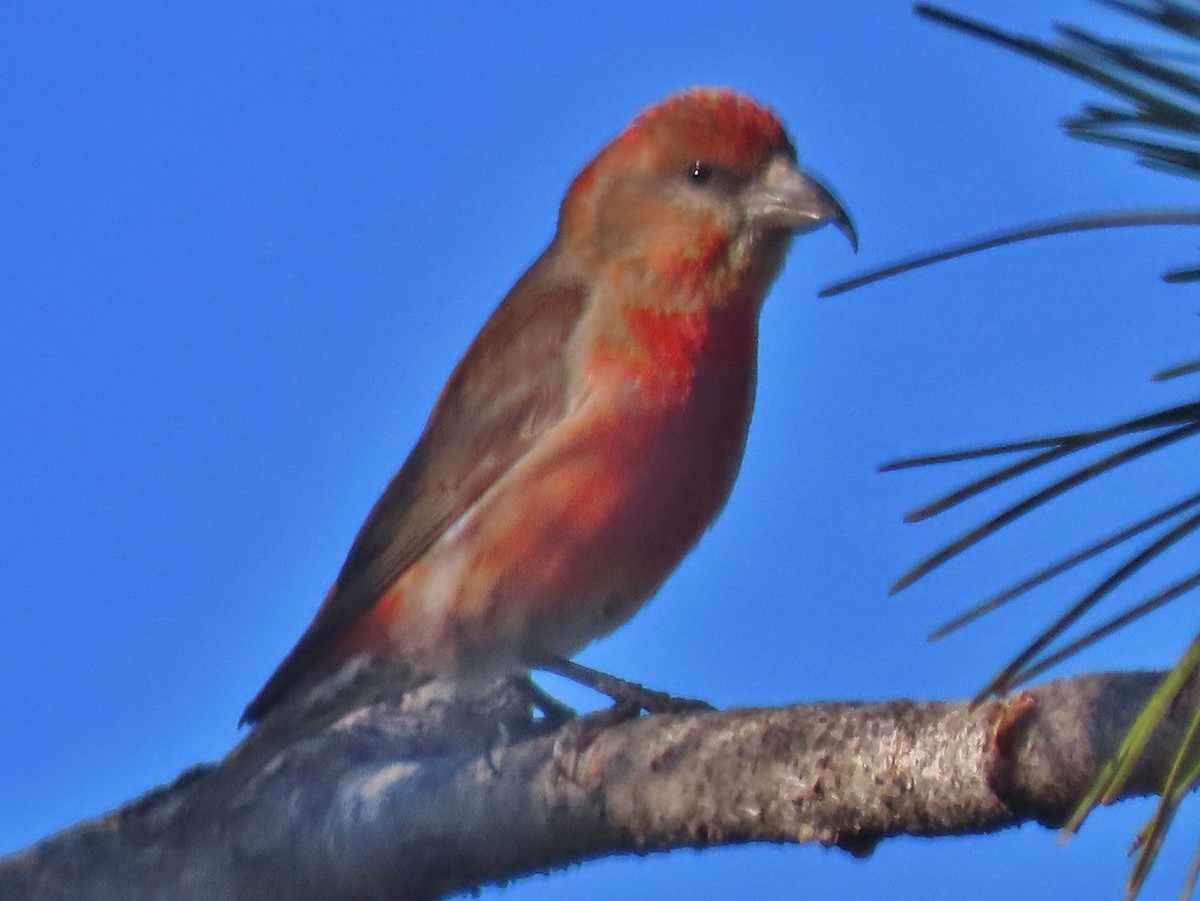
x=1157, y=117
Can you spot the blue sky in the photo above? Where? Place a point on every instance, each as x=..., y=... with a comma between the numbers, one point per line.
x=242, y=245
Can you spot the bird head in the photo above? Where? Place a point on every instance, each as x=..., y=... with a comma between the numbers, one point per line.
x=703, y=185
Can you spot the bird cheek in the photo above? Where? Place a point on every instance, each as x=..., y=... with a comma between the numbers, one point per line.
x=704, y=246
x=632, y=215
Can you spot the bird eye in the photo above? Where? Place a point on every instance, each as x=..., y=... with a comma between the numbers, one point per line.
x=700, y=172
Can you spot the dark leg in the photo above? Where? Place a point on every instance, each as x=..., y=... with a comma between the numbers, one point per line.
x=554, y=711
x=629, y=695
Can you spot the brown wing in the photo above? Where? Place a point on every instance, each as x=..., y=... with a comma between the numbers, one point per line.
x=509, y=388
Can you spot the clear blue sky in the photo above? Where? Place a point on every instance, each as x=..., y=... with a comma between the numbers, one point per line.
x=241, y=246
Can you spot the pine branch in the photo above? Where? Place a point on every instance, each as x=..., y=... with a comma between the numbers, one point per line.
x=382, y=800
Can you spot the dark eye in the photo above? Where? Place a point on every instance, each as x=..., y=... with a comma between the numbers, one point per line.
x=700, y=172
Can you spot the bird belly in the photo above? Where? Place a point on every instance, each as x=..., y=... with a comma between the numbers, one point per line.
x=577, y=536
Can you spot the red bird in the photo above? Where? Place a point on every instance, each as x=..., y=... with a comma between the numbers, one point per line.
x=594, y=427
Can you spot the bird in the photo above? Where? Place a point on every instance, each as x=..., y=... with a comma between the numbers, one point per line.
x=594, y=427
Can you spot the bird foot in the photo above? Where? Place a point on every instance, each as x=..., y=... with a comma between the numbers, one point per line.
x=626, y=695
x=576, y=737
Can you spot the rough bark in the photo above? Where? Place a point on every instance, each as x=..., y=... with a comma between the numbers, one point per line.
x=387, y=798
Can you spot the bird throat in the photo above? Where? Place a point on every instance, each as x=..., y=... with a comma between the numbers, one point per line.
x=673, y=345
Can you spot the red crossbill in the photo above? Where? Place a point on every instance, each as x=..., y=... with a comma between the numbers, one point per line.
x=594, y=427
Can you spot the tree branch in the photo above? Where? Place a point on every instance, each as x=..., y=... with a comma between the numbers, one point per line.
x=395, y=798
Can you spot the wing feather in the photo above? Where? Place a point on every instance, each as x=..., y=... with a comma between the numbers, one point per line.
x=510, y=387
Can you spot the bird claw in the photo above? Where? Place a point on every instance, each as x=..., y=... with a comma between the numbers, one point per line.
x=577, y=736
x=660, y=702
